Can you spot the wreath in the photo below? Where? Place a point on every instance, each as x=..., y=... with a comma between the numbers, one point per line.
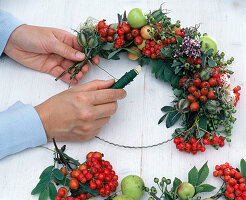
x=199, y=74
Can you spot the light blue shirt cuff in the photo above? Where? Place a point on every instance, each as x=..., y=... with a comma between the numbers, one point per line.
x=20, y=128
x=8, y=23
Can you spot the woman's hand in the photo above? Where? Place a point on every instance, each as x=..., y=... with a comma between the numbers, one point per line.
x=47, y=50
x=79, y=113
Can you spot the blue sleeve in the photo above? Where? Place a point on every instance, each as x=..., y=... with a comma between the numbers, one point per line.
x=8, y=24
x=20, y=128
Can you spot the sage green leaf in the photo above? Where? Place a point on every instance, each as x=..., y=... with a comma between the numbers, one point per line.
x=204, y=188
x=52, y=191
x=114, y=26
x=44, y=194
x=175, y=81
x=211, y=63
x=108, y=46
x=193, y=176
x=172, y=118
x=177, y=70
x=202, y=125
x=203, y=174
x=209, y=52
x=47, y=172
x=58, y=174
x=162, y=118
x=243, y=167
x=42, y=184
x=183, y=60
x=114, y=53
x=167, y=109
x=204, y=60
x=176, y=64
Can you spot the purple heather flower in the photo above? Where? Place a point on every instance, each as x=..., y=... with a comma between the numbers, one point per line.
x=189, y=47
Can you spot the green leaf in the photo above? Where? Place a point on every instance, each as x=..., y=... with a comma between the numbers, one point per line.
x=167, y=196
x=172, y=118
x=193, y=176
x=159, y=73
x=84, y=188
x=167, y=51
x=131, y=51
x=202, y=125
x=64, y=181
x=175, y=81
x=176, y=64
x=58, y=174
x=204, y=188
x=162, y=118
x=204, y=60
x=108, y=46
x=243, y=167
x=179, y=40
x=114, y=26
x=44, y=194
x=176, y=183
x=168, y=73
x=167, y=109
x=42, y=184
x=177, y=70
x=143, y=60
x=52, y=191
x=209, y=52
x=222, y=115
x=155, y=65
x=114, y=53
x=47, y=172
x=183, y=60
x=203, y=174
x=211, y=63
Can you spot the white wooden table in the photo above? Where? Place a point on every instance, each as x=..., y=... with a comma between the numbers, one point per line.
x=135, y=123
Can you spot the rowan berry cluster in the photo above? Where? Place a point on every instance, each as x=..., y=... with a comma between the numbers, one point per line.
x=97, y=172
x=235, y=182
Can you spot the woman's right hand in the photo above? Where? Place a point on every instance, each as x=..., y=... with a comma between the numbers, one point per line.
x=79, y=113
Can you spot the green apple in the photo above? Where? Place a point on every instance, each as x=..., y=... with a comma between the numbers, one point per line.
x=136, y=18
x=186, y=191
x=208, y=43
x=145, y=32
x=141, y=46
x=122, y=197
x=132, y=186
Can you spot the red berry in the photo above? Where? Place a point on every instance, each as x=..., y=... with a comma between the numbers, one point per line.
x=103, y=32
x=107, y=192
x=204, y=91
x=182, y=81
x=83, y=180
x=126, y=28
x=232, y=181
x=203, y=149
x=190, y=60
x=93, y=186
x=192, y=89
x=230, y=189
x=238, y=175
x=74, y=183
x=206, y=142
x=102, y=191
x=120, y=31
x=176, y=140
x=211, y=94
x=57, y=198
x=191, y=98
x=101, y=24
x=194, y=106
x=241, y=180
x=70, y=198
x=197, y=93
x=192, y=140
x=111, y=31
x=62, y=191
x=181, y=139
x=238, y=192
x=110, y=38
x=198, y=61
x=135, y=32
x=197, y=82
x=152, y=43
x=82, y=196
x=212, y=82
x=221, y=173
x=129, y=36
x=227, y=178
x=89, y=176
x=196, y=75
x=188, y=146
x=242, y=187
x=203, y=98
x=205, y=84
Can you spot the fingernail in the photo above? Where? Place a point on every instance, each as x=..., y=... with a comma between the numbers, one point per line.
x=79, y=55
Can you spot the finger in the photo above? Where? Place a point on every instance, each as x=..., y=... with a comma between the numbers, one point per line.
x=96, y=85
x=56, y=71
x=76, y=44
x=107, y=96
x=104, y=110
x=95, y=60
x=67, y=51
x=79, y=76
x=85, y=68
x=66, y=63
x=99, y=123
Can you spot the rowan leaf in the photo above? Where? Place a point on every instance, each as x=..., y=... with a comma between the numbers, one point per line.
x=47, y=172
x=193, y=176
x=203, y=174
x=243, y=167
x=44, y=194
x=52, y=191
x=42, y=184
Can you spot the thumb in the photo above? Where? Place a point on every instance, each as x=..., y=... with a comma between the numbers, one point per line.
x=95, y=85
x=68, y=52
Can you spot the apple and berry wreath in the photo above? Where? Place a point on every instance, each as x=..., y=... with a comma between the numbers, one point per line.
x=198, y=72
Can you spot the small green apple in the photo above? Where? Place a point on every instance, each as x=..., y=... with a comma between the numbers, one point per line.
x=136, y=18
x=145, y=32
x=208, y=43
x=186, y=191
x=132, y=186
x=122, y=197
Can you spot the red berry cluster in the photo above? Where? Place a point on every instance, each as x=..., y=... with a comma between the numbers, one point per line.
x=152, y=49
x=105, y=31
x=235, y=182
x=237, y=94
x=97, y=172
x=193, y=145
x=200, y=91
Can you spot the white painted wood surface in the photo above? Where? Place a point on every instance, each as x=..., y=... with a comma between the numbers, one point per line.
x=135, y=123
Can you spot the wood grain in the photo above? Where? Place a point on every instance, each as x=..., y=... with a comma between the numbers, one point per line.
x=135, y=122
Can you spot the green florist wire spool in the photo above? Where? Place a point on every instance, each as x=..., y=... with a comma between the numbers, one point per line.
x=127, y=78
